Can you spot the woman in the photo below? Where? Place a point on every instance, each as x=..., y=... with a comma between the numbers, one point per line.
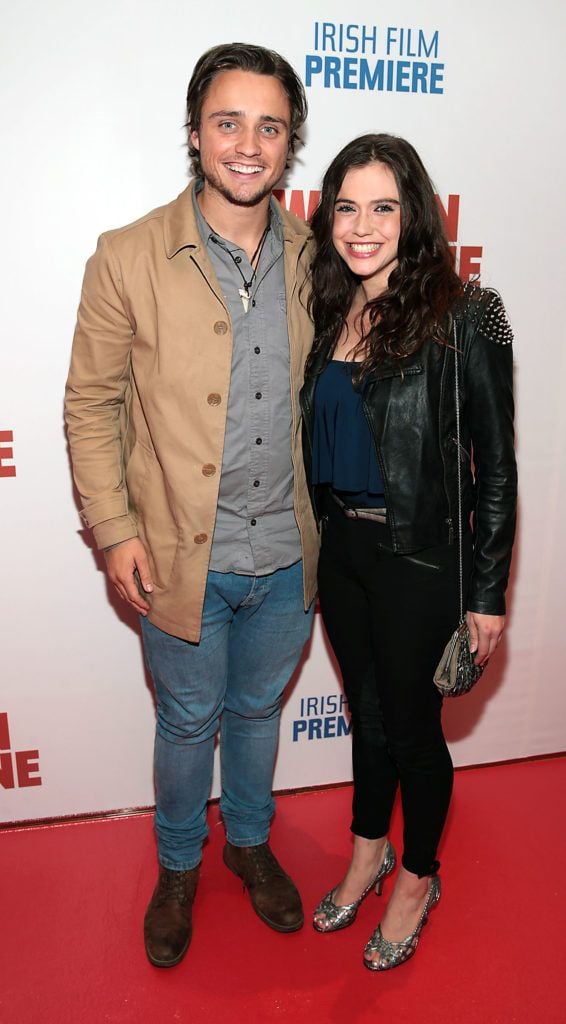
x=379, y=408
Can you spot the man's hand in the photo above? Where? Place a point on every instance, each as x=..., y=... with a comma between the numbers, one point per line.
x=485, y=634
x=121, y=562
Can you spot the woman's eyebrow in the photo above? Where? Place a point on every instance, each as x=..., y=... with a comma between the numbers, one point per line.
x=343, y=199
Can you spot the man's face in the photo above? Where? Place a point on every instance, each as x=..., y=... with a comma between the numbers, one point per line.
x=243, y=137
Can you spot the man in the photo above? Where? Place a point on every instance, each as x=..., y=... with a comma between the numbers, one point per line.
x=183, y=422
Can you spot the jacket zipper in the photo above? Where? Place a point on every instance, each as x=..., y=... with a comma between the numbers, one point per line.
x=461, y=448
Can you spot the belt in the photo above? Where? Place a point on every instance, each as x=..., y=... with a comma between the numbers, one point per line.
x=376, y=515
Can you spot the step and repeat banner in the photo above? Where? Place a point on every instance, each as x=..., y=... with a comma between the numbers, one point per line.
x=92, y=124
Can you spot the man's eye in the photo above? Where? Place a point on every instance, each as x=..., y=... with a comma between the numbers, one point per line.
x=227, y=124
x=269, y=129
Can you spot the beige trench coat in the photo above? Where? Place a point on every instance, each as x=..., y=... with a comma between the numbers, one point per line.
x=146, y=401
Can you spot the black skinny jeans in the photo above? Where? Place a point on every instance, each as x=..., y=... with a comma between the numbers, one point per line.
x=388, y=618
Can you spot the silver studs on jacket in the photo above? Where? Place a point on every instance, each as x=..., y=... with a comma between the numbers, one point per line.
x=494, y=323
x=393, y=954
x=483, y=306
x=336, y=917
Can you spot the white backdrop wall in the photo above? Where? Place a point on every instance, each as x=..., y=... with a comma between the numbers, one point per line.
x=91, y=119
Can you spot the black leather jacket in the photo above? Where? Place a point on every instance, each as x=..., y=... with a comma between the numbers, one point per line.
x=412, y=416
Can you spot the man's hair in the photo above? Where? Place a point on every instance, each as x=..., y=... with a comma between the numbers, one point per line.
x=242, y=57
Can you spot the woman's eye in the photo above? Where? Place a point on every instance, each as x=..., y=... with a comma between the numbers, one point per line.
x=344, y=208
x=384, y=208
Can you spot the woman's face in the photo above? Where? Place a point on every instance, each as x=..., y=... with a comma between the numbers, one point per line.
x=367, y=223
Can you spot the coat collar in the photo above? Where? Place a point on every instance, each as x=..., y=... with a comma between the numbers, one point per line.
x=181, y=231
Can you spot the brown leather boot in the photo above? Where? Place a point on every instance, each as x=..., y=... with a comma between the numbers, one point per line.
x=273, y=894
x=168, y=925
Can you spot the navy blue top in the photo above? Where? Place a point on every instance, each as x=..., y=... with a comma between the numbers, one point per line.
x=344, y=454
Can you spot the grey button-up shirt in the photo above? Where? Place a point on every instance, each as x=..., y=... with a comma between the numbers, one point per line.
x=256, y=531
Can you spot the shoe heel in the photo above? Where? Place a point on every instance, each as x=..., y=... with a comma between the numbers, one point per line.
x=388, y=865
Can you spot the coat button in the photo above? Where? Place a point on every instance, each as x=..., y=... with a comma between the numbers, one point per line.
x=220, y=327
x=214, y=398
x=200, y=538
x=208, y=469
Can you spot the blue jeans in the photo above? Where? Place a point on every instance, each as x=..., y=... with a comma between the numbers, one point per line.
x=253, y=632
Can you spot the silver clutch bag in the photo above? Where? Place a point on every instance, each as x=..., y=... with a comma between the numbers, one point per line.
x=456, y=672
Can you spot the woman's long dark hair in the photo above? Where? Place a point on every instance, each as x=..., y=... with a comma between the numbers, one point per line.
x=421, y=289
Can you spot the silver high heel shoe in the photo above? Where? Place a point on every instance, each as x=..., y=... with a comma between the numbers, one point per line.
x=393, y=954
x=336, y=917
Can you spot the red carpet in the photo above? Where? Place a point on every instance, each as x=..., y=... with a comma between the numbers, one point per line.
x=74, y=895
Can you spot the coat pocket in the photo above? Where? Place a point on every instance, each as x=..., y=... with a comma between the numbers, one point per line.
x=156, y=522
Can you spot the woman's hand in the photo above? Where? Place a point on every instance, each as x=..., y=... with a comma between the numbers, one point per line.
x=485, y=633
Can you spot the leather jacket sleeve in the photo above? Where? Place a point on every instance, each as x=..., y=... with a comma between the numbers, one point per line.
x=488, y=415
